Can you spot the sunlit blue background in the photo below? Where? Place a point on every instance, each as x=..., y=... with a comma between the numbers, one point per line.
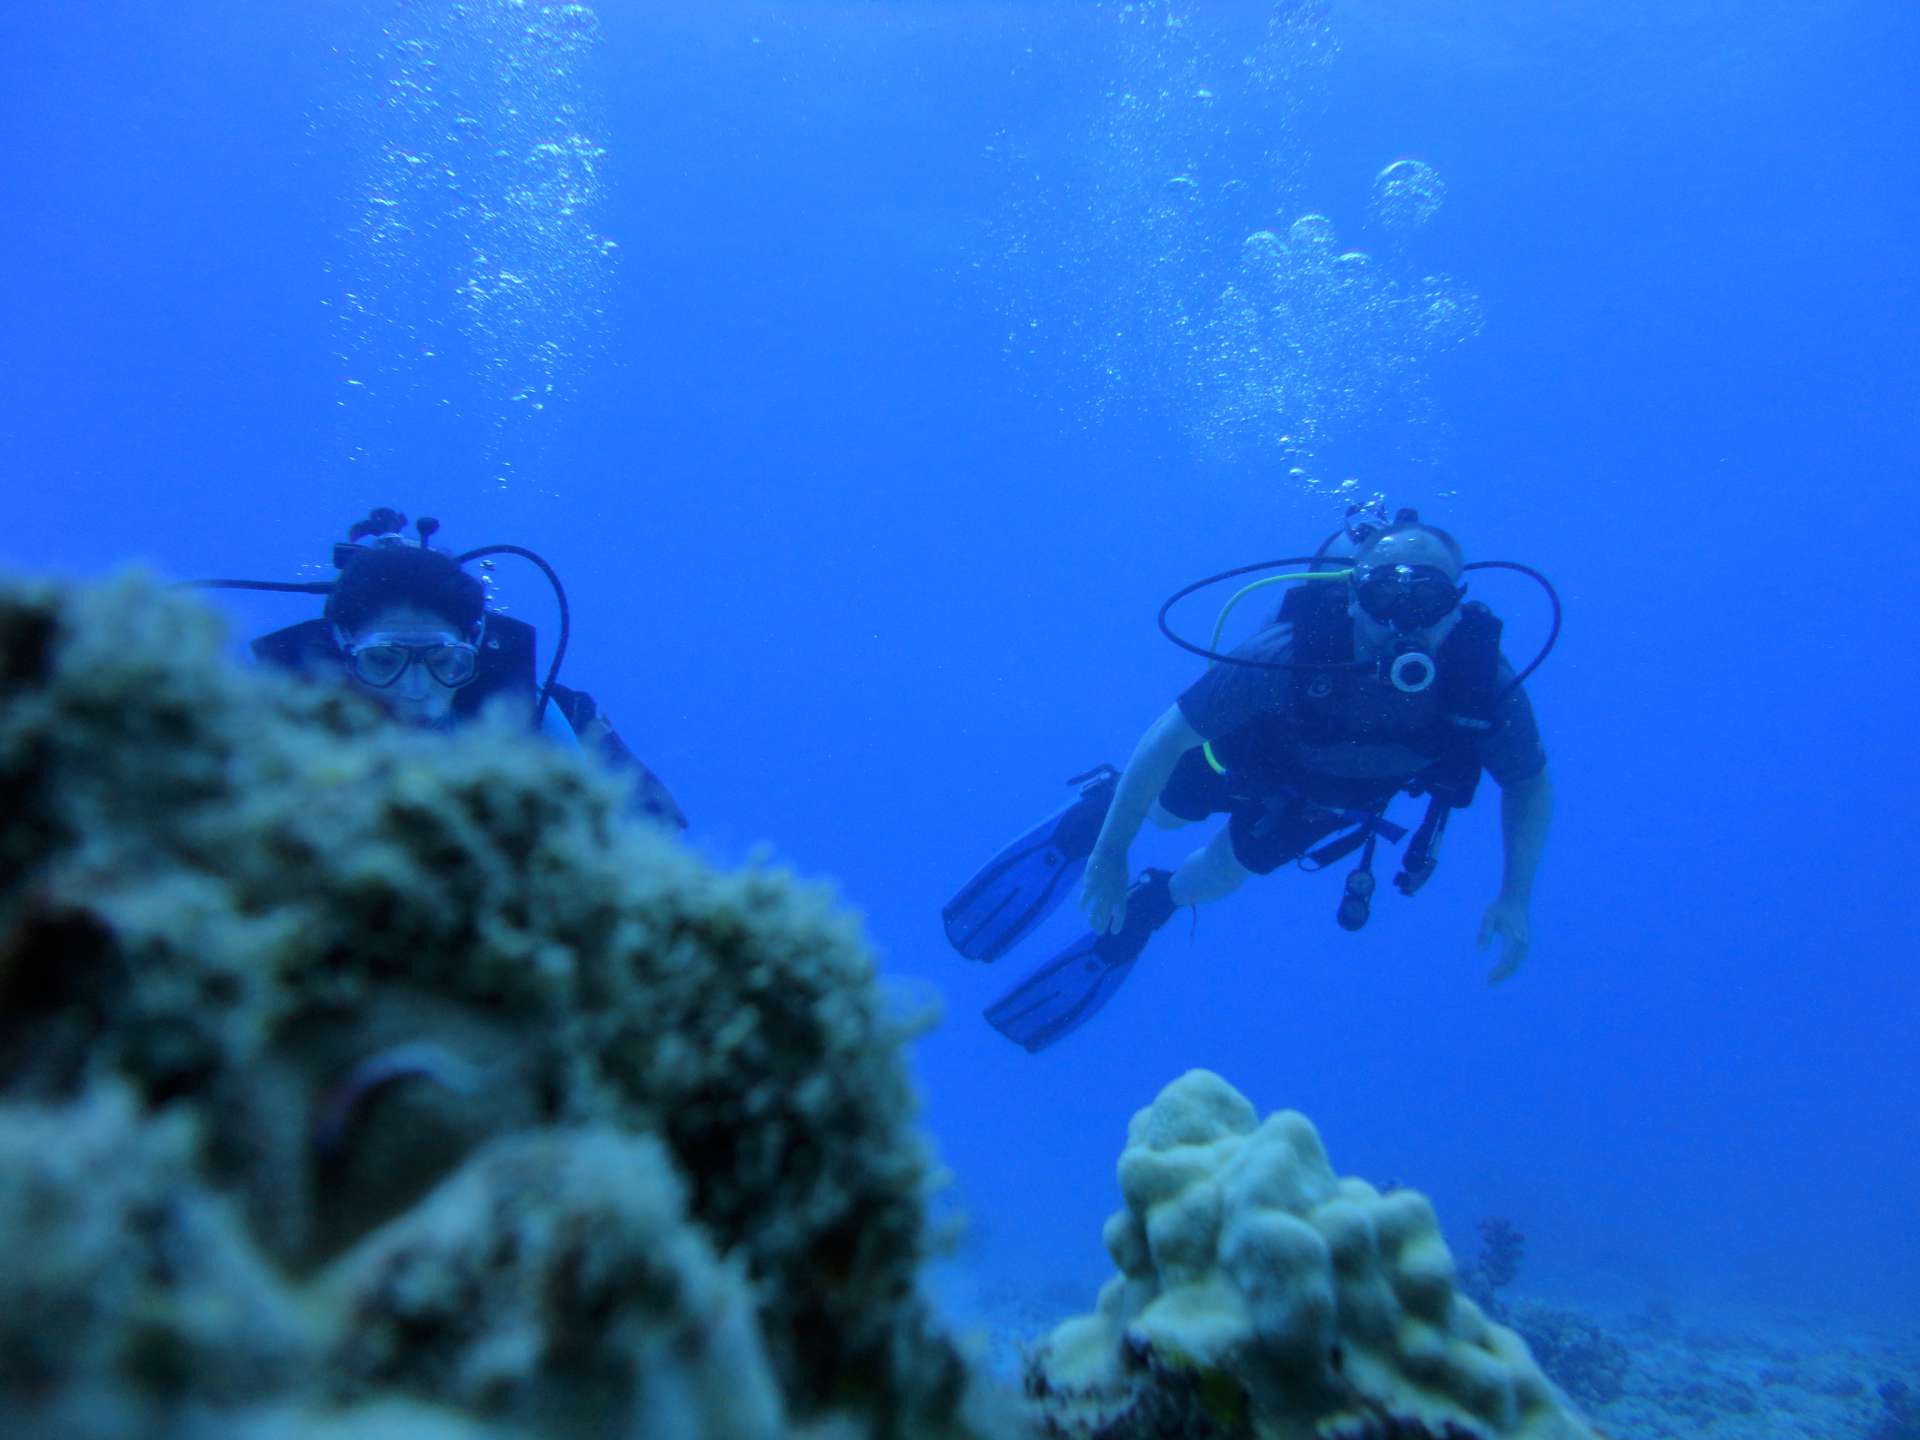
x=864, y=587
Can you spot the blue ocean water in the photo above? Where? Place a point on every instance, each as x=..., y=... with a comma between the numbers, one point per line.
x=928, y=355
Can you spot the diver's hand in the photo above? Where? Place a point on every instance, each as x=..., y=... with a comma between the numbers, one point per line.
x=1506, y=918
x=1103, y=895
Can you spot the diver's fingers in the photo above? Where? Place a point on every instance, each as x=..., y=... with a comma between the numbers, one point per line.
x=1097, y=901
x=1513, y=954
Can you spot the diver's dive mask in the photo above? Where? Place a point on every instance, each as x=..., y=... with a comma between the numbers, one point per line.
x=1406, y=597
x=379, y=660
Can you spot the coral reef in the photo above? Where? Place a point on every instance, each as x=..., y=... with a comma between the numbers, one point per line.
x=1495, y=1266
x=1583, y=1359
x=1793, y=1373
x=1900, y=1419
x=1576, y=1354
x=1260, y=1295
x=355, y=1077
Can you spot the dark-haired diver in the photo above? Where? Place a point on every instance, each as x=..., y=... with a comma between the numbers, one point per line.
x=1374, y=679
x=408, y=626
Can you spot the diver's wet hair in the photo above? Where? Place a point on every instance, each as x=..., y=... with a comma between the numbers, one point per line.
x=388, y=575
x=1408, y=522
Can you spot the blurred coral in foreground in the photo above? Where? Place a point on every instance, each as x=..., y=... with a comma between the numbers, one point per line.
x=355, y=1079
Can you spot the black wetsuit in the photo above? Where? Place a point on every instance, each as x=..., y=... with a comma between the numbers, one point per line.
x=1304, y=750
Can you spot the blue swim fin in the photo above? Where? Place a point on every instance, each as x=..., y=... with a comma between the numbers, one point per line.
x=1067, y=991
x=1022, y=885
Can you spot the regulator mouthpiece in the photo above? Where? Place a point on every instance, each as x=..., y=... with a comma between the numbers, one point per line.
x=1411, y=672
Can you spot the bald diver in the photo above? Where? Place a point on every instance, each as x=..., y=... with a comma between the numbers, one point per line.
x=1375, y=678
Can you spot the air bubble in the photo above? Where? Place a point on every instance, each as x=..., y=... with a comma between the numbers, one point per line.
x=1263, y=248
x=496, y=86
x=1311, y=232
x=1275, y=338
x=1407, y=194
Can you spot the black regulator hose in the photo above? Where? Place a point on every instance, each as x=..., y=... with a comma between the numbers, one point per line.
x=1319, y=558
x=566, y=616
x=281, y=587
x=1221, y=657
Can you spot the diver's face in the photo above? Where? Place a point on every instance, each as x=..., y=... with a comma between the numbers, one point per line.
x=418, y=694
x=1413, y=550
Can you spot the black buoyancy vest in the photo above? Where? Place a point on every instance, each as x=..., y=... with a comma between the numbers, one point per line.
x=1468, y=676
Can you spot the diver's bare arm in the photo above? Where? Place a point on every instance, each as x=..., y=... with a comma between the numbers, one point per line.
x=1146, y=775
x=1526, y=814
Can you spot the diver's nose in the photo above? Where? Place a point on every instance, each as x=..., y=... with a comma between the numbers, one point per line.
x=412, y=684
